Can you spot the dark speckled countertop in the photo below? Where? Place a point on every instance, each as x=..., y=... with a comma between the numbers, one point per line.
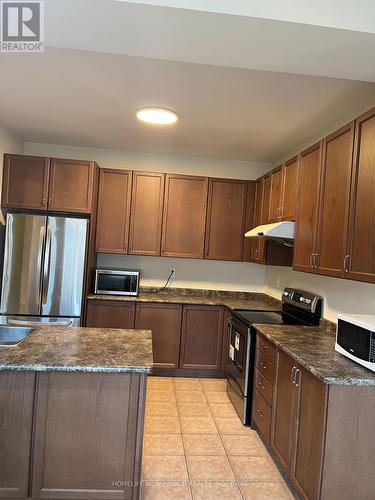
x=314, y=349
x=232, y=300
x=81, y=350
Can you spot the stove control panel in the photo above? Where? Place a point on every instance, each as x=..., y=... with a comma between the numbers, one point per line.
x=302, y=299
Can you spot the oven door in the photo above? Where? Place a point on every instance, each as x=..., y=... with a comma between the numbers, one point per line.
x=238, y=358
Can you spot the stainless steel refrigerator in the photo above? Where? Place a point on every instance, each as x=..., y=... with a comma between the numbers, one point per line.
x=43, y=273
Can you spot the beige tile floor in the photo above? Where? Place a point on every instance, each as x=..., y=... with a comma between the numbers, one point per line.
x=195, y=446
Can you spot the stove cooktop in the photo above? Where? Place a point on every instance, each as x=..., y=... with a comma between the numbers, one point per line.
x=262, y=317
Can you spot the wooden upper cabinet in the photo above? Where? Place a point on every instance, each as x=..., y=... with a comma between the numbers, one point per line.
x=290, y=186
x=146, y=213
x=266, y=199
x=184, y=220
x=249, y=219
x=360, y=263
x=257, y=250
x=71, y=184
x=112, y=230
x=308, y=207
x=202, y=334
x=334, y=201
x=276, y=190
x=225, y=219
x=25, y=182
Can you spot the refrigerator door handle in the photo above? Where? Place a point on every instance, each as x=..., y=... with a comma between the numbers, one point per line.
x=47, y=265
x=42, y=236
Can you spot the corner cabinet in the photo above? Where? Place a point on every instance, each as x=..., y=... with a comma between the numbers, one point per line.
x=225, y=219
x=59, y=185
x=184, y=221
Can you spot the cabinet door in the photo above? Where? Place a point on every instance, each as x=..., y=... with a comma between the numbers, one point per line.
x=361, y=248
x=307, y=218
x=112, y=229
x=257, y=251
x=164, y=320
x=16, y=416
x=88, y=435
x=225, y=219
x=290, y=186
x=309, y=444
x=107, y=314
x=249, y=220
x=71, y=184
x=201, y=341
x=266, y=199
x=334, y=201
x=25, y=182
x=184, y=220
x=283, y=417
x=275, y=195
x=146, y=213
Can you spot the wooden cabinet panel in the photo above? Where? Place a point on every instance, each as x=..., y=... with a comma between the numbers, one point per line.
x=361, y=248
x=334, y=201
x=308, y=455
x=225, y=219
x=16, y=416
x=283, y=418
x=262, y=415
x=249, y=220
x=88, y=438
x=201, y=341
x=276, y=195
x=25, y=182
x=263, y=386
x=307, y=217
x=107, y=314
x=257, y=251
x=266, y=199
x=264, y=365
x=113, y=211
x=146, y=213
x=290, y=187
x=164, y=320
x=184, y=220
x=266, y=347
x=71, y=185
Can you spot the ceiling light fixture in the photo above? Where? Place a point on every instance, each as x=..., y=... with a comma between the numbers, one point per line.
x=157, y=116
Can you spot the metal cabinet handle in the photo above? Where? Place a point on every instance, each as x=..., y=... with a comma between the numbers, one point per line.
x=265, y=346
x=292, y=374
x=346, y=263
x=260, y=413
x=262, y=387
x=297, y=374
x=311, y=260
x=316, y=260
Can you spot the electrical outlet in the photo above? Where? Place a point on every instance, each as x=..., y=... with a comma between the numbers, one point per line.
x=173, y=273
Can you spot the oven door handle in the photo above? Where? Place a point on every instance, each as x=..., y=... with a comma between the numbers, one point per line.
x=237, y=389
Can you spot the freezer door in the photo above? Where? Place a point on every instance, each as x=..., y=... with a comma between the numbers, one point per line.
x=64, y=265
x=24, y=247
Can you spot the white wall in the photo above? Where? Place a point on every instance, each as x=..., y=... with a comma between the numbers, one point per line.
x=155, y=270
x=339, y=295
x=191, y=273
x=110, y=158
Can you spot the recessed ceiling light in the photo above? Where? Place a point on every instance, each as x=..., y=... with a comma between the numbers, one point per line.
x=157, y=116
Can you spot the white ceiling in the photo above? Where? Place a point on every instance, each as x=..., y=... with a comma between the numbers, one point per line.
x=105, y=59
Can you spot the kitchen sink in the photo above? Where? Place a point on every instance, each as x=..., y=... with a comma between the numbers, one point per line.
x=11, y=336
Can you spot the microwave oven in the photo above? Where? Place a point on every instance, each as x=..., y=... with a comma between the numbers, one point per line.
x=116, y=282
x=355, y=338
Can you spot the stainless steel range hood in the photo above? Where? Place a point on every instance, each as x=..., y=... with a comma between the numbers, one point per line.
x=282, y=232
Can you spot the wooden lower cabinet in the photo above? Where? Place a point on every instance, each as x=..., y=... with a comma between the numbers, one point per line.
x=110, y=314
x=165, y=322
x=201, y=339
x=88, y=436
x=16, y=417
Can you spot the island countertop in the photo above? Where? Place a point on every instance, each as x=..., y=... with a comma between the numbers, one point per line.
x=314, y=349
x=80, y=349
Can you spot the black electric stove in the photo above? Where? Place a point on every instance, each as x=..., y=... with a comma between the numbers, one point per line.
x=298, y=308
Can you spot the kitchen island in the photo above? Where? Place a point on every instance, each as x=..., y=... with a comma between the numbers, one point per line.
x=71, y=413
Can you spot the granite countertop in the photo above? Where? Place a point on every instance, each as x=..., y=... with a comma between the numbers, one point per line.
x=314, y=349
x=81, y=350
x=232, y=300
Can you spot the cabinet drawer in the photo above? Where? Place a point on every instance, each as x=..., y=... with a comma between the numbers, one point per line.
x=266, y=347
x=262, y=415
x=265, y=366
x=263, y=386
